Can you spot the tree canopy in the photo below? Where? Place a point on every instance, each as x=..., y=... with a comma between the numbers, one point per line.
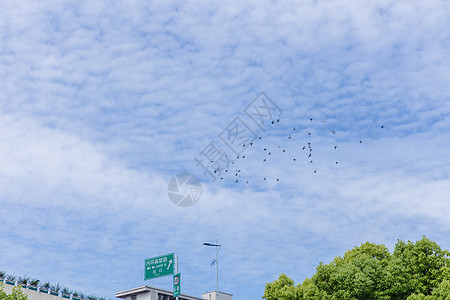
x=17, y=293
x=414, y=271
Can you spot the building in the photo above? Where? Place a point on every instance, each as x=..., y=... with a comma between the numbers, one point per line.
x=152, y=293
x=140, y=293
x=34, y=293
x=212, y=296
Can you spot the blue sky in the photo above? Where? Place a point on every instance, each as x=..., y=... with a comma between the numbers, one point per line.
x=102, y=103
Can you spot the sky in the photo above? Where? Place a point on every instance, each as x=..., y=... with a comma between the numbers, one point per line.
x=102, y=103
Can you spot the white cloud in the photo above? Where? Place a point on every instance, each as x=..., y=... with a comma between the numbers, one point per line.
x=102, y=103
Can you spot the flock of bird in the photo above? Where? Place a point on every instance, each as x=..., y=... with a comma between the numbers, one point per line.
x=306, y=149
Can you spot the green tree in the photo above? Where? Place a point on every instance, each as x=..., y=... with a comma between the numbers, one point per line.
x=357, y=275
x=281, y=289
x=17, y=293
x=417, y=268
x=414, y=271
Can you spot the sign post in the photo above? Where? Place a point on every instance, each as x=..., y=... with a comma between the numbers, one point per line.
x=176, y=285
x=159, y=266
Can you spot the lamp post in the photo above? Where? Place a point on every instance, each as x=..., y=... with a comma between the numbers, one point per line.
x=217, y=266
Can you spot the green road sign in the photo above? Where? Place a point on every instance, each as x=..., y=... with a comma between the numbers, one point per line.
x=176, y=285
x=159, y=266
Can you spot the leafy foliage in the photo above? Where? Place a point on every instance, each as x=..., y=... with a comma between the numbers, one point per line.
x=283, y=288
x=414, y=271
x=17, y=293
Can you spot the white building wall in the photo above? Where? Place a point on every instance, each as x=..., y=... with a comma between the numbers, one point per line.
x=33, y=295
x=212, y=296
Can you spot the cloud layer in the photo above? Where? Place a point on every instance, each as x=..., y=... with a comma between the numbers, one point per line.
x=102, y=103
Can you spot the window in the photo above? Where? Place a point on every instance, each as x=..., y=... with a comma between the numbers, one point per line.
x=133, y=297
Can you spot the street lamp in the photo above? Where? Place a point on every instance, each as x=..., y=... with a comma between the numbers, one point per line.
x=217, y=266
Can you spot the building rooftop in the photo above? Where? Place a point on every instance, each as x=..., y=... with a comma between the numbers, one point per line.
x=151, y=293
